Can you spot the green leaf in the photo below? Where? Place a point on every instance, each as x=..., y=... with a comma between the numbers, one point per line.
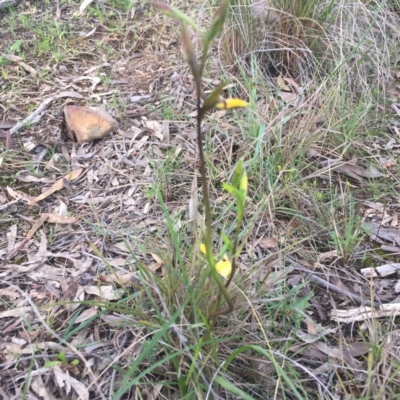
x=237, y=175
x=52, y=364
x=61, y=356
x=213, y=98
x=232, y=388
x=217, y=22
x=243, y=183
x=227, y=241
x=215, y=28
x=235, y=192
x=134, y=370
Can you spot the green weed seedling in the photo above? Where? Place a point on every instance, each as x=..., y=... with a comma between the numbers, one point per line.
x=62, y=360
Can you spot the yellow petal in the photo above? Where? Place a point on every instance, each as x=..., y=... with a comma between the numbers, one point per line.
x=203, y=248
x=231, y=103
x=243, y=183
x=224, y=266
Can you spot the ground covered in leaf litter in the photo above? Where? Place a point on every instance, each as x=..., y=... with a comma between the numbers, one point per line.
x=76, y=243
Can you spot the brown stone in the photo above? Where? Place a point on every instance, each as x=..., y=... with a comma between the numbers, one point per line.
x=89, y=123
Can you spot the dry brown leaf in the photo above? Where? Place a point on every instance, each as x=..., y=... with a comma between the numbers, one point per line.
x=60, y=219
x=121, y=246
x=16, y=312
x=20, y=62
x=38, y=386
x=156, y=258
x=282, y=85
x=310, y=352
x=6, y=124
x=357, y=172
x=90, y=312
x=342, y=286
x=29, y=236
x=123, y=280
x=379, y=233
x=155, y=128
x=43, y=245
x=311, y=327
x=288, y=97
x=154, y=267
x=12, y=237
x=46, y=272
x=57, y=185
x=328, y=255
x=30, y=335
x=293, y=83
x=374, y=205
x=346, y=352
x=267, y=242
x=395, y=220
x=153, y=394
x=117, y=262
x=8, y=292
x=64, y=379
x=105, y=292
x=16, y=194
x=31, y=178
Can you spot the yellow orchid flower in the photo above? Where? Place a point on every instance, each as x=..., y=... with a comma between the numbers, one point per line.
x=231, y=103
x=223, y=266
x=243, y=183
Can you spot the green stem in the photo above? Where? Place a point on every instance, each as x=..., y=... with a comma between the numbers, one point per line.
x=234, y=257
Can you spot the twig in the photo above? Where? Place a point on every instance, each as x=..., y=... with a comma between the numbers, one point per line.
x=43, y=107
x=353, y=296
x=363, y=313
x=382, y=271
x=10, y=203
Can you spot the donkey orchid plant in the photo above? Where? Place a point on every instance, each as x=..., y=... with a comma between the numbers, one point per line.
x=219, y=266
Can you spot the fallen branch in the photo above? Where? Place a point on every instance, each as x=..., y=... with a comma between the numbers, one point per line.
x=43, y=107
x=8, y=3
x=353, y=296
x=20, y=62
x=363, y=313
x=9, y=204
x=382, y=271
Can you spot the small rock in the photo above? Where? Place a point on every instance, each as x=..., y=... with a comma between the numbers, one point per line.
x=89, y=123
